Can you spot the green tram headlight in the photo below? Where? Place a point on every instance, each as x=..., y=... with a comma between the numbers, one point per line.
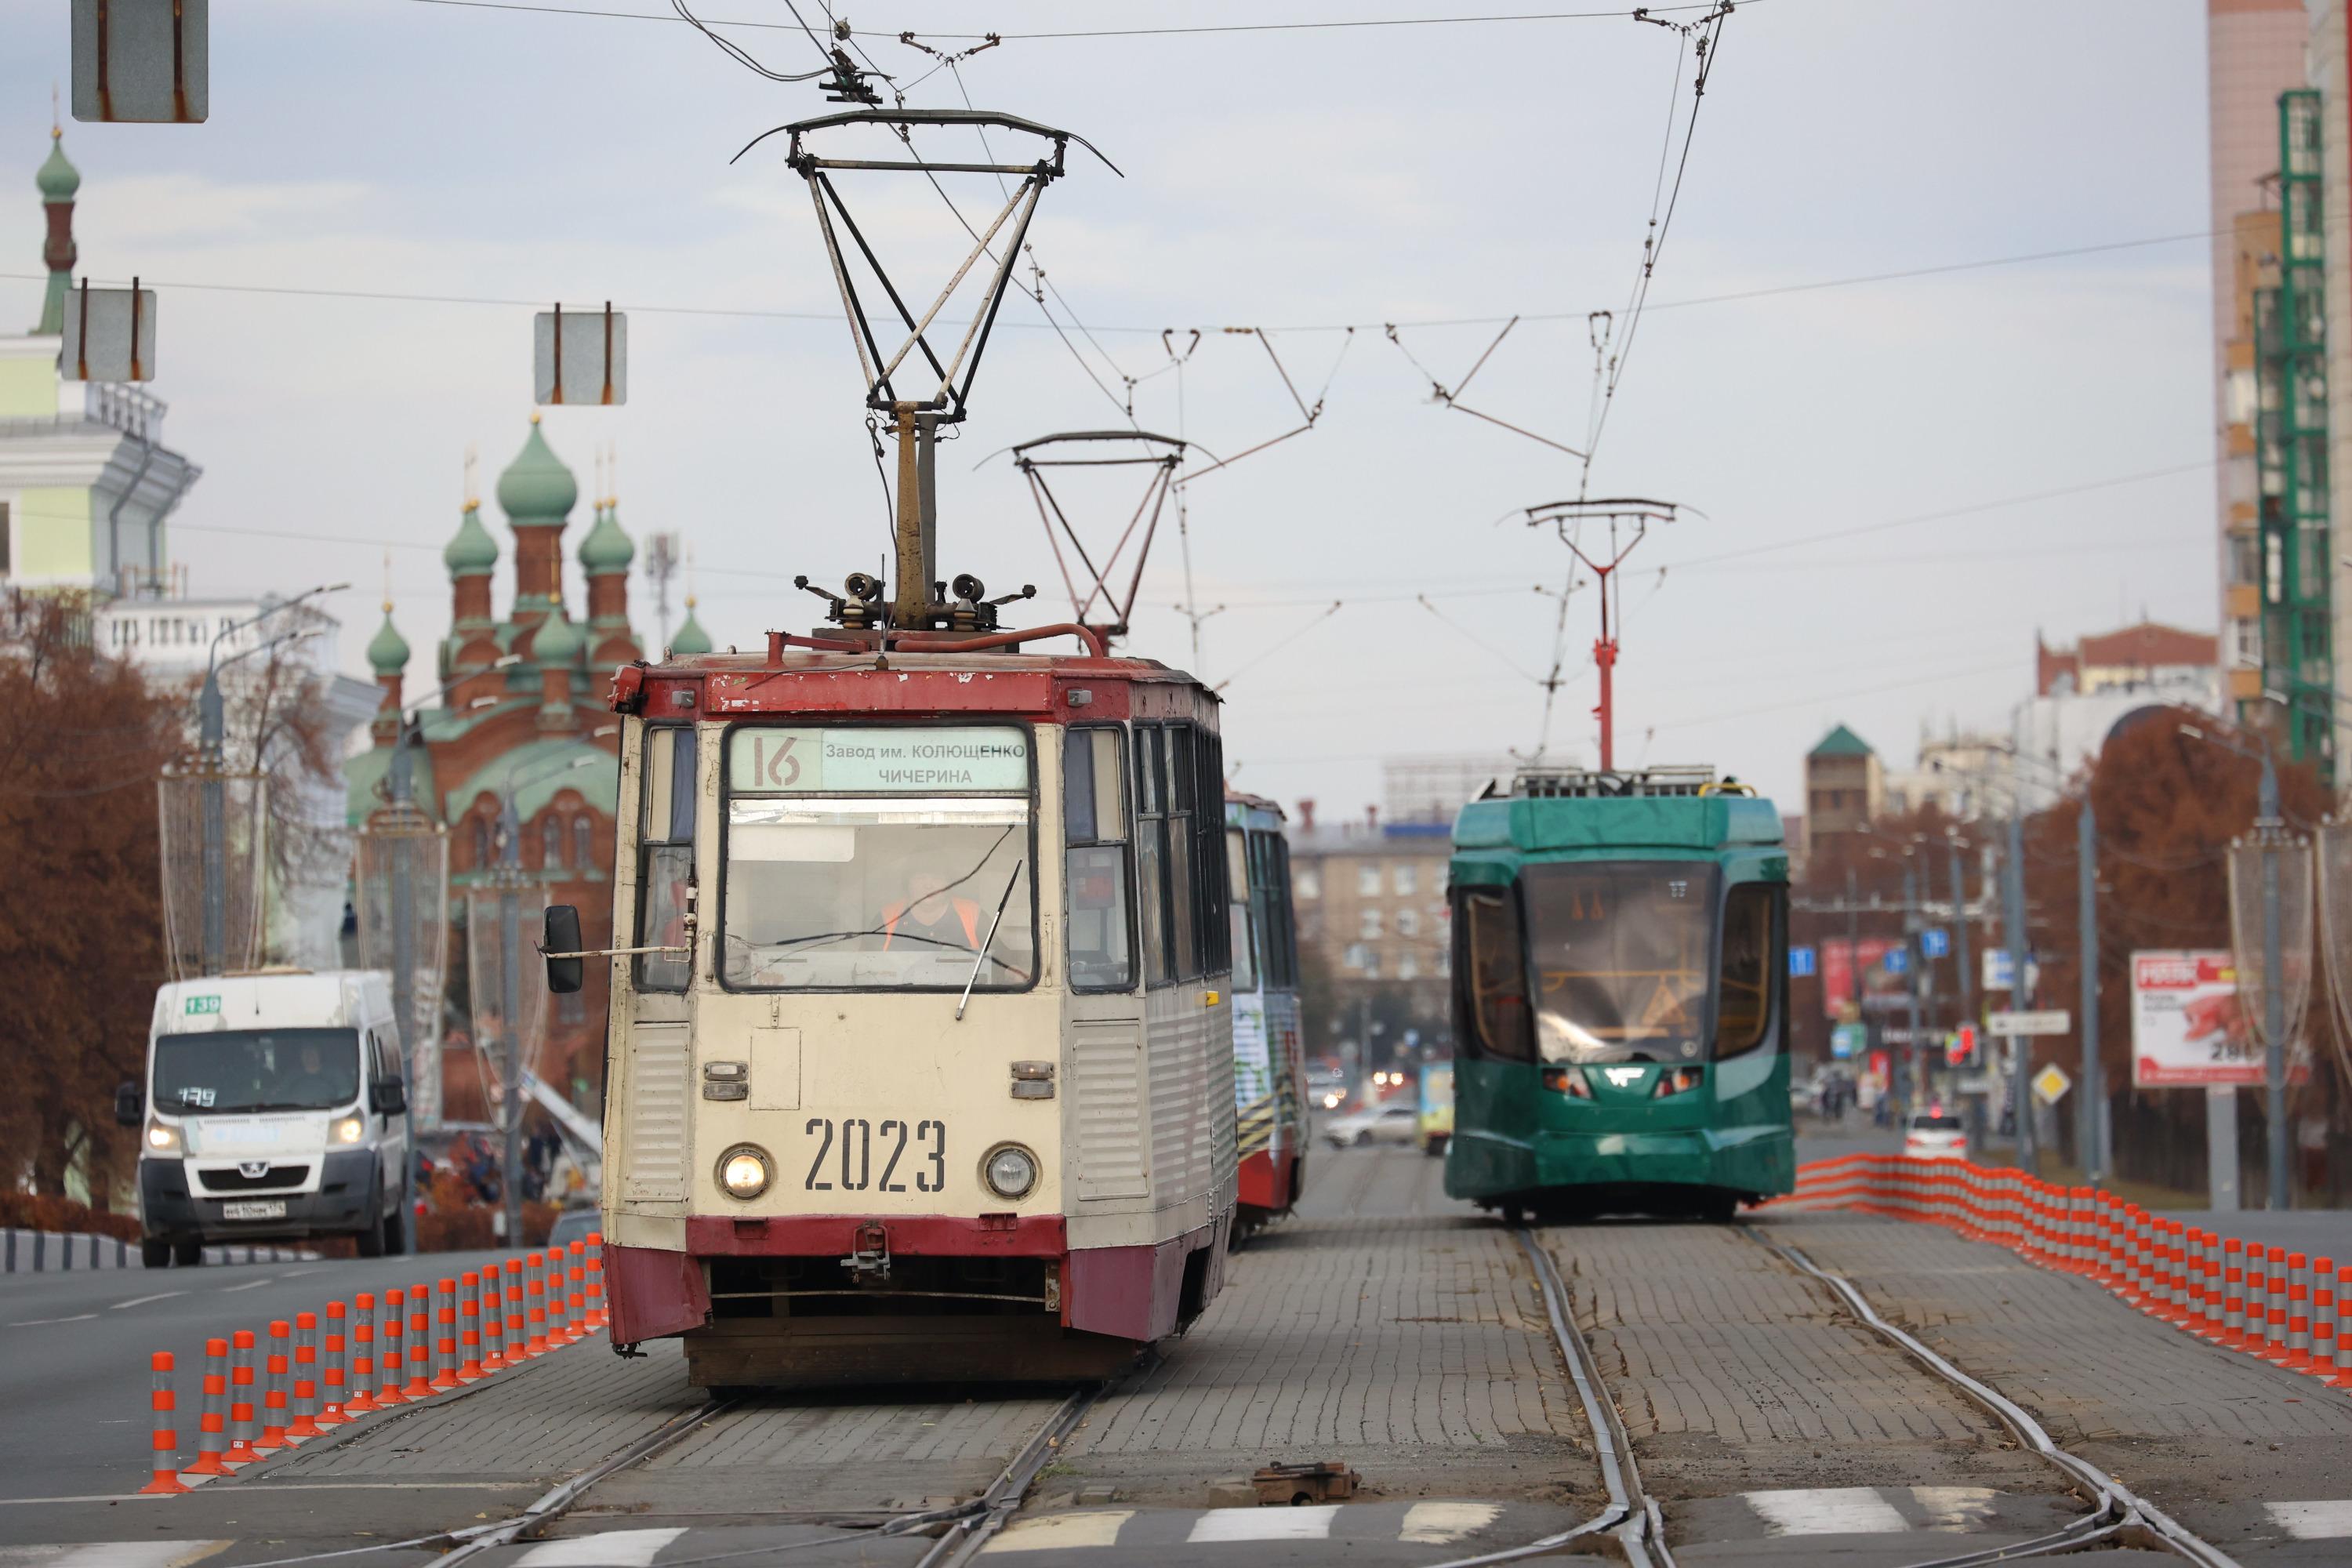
x=1010, y=1171
x=745, y=1170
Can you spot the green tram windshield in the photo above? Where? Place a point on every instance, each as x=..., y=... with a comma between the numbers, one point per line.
x=1624, y=960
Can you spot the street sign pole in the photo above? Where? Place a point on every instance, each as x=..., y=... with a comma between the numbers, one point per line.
x=1911, y=1057
x=2091, y=1111
x=2013, y=922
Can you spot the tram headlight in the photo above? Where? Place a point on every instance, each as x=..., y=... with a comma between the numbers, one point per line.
x=744, y=1172
x=1567, y=1080
x=1010, y=1171
x=1682, y=1080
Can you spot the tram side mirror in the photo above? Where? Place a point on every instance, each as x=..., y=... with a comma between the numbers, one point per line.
x=561, y=935
x=391, y=1096
x=130, y=1108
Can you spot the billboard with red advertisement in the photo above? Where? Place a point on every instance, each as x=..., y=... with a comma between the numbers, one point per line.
x=1837, y=971
x=2188, y=1029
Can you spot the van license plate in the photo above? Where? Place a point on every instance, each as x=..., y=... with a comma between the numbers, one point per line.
x=273, y=1209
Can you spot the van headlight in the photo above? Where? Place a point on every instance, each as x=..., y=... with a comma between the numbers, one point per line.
x=350, y=1128
x=163, y=1138
x=1010, y=1171
x=744, y=1172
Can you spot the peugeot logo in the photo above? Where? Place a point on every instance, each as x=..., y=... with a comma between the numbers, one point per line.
x=252, y=1169
x=1622, y=1077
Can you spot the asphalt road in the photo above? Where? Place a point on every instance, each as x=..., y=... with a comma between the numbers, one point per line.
x=74, y=1349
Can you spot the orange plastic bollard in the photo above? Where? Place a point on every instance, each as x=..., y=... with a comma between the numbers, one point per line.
x=2343, y=1378
x=535, y=1296
x=332, y=1392
x=389, y=1331
x=2321, y=1362
x=445, y=1337
x=165, y=1442
x=240, y=1405
x=212, y=1423
x=2298, y=1313
x=274, y=1415
x=420, y=1344
x=2274, y=1317
x=469, y=1327
x=306, y=1377
x=517, y=1350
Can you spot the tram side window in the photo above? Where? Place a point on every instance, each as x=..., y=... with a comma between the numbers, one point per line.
x=1244, y=926
x=1490, y=987
x=666, y=858
x=1282, y=934
x=1094, y=815
x=1743, y=994
x=1217, y=889
x=1150, y=851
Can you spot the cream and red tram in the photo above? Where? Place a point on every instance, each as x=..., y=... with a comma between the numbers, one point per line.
x=923, y=1067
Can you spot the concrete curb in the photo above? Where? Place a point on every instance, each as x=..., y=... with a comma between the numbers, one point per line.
x=42, y=1251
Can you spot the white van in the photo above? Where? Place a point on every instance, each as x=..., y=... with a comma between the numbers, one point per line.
x=273, y=1110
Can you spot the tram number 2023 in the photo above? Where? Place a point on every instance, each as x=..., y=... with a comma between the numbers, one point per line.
x=858, y=1155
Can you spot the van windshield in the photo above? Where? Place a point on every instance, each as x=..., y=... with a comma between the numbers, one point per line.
x=257, y=1070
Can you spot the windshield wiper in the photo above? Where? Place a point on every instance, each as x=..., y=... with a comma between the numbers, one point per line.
x=988, y=942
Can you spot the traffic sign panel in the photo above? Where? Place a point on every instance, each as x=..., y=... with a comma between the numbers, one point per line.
x=1935, y=942
x=1897, y=961
x=2049, y=1021
x=2050, y=1084
x=1800, y=963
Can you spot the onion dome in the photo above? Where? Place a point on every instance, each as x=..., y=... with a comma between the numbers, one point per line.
x=691, y=637
x=558, y=641
x=387, y=652
x=472, y=552
x=606, y=550
x=537, y=487
x=59, y=180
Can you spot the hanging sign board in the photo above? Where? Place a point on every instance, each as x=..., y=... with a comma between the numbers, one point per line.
x=1837, y=961
x=2189, y=1028
x=581, y=356
x=110, y=334
x=147, y=61
x=2048, y=1020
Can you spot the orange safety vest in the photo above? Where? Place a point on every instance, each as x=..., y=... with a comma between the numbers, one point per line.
x=966, y=910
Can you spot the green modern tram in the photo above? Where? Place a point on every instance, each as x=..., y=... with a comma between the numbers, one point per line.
x=1620, y=996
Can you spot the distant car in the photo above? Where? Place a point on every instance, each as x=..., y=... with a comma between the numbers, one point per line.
x=1935, y=1136
x=1327, y=1088
x=574, y=1225
x=1375, y=1124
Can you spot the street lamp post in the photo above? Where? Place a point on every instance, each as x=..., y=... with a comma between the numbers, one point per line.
x=2269, y=826
x=2013, y=918
x=2091, y=1111
x=212, y=744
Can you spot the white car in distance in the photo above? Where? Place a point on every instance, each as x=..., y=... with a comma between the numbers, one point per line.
x=1935, y=1136
x=1374, y=1124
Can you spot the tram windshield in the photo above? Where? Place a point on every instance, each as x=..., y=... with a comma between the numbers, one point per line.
x=871, y=889
x=1619, y=951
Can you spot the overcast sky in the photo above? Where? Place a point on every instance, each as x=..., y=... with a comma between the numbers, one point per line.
x=1289, y=180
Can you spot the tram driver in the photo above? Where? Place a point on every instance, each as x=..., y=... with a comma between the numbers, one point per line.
x=929, y=916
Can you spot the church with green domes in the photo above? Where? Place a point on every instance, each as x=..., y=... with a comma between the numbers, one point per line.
x=516, y=701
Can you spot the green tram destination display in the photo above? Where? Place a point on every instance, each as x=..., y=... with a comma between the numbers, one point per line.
x=991, y=759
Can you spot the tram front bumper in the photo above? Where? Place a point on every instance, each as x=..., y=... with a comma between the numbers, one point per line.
x=1604, y=1159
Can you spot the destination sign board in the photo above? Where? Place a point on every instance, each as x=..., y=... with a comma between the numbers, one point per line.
x=985, y=759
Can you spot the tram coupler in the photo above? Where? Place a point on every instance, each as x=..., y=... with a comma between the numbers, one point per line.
x=870, y=1263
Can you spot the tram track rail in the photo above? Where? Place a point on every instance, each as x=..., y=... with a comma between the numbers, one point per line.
x=1634, y=1520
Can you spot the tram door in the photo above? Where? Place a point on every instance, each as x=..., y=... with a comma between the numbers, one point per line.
x=664, y=767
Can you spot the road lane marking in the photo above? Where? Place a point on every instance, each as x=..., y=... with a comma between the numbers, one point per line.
x=1444, y=1523
x=1056, y=1531
x=2312, y=1521
x=248, y=1285
x=113, y=1555
x=607, y=1549
x=1954, y=1507
x=142, y=1300
x=1312, y=1523
x=37, y=1322
x=1827, y=1511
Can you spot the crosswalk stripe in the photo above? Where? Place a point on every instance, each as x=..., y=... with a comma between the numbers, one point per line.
x=1827, y=1511
x=1444, y=1523
x=112, y=1555
x=1312, y=1523
x=606, y=1548
x=2313, y=1521
x=1954, y=1507
x=1054, y=1532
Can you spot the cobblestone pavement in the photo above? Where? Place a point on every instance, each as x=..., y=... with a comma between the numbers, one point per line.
x=1412, y=1346
x=1734, y=1372
x=2215, y=1437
